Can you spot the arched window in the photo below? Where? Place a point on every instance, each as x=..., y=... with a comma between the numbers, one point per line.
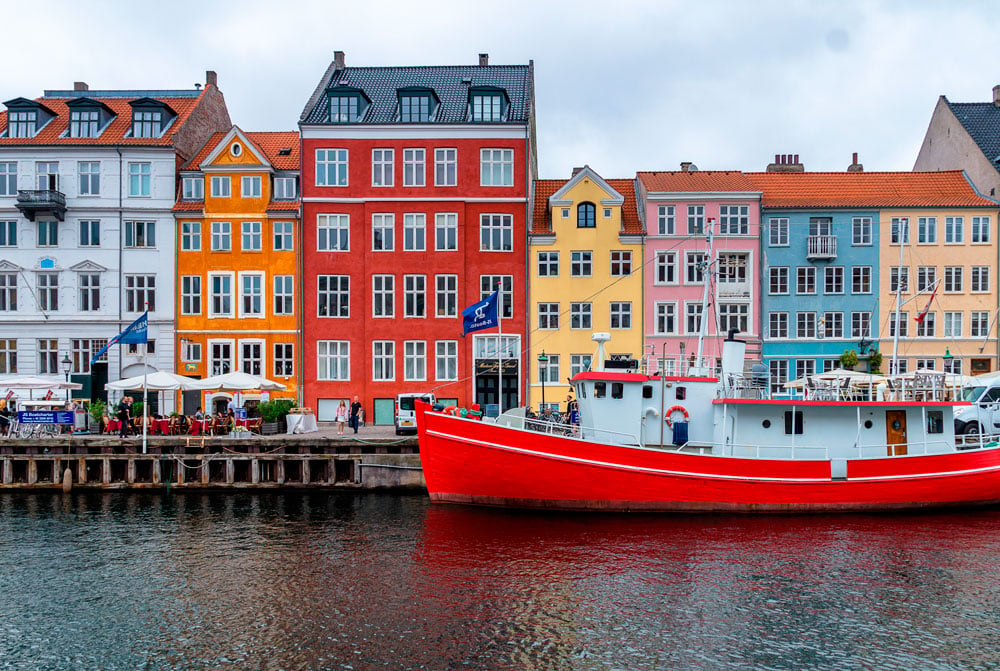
x=586, y=215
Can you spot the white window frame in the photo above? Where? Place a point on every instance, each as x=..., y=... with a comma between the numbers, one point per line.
x=191, y=293
x=250, y=186
x=383, y=167
x=497, y=225
x=220, y=186
x=89, y=178
x=140, y=179
x=446, y=166
x=445, y=295
x=446, y=360
x=333, y=360
x=496, y=167
x=414, y=360
x=332, y=161
x=223, y=297
x=283, y=236
x=662, y=312
x=414, y=167
x=383, y=360
x=283, y=359
x=383, y=223
x=415, y=290
x=222, y=236
x=414, y=232
x=445, y=231
x=283, y=291
x=252, y=232
x=383, y=296
x=332, y=227
x=260, y=312
x=336, y=296
x=666, y=221
x=190, y=236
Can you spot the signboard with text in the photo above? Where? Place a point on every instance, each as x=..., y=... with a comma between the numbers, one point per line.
x=45, y=417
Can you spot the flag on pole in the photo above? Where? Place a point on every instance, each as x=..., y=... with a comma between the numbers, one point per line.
x=920, y=317
x=133, y=335
x=481, y=315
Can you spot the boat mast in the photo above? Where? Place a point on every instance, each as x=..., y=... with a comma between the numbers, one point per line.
x=704, y=297
x=904, y=233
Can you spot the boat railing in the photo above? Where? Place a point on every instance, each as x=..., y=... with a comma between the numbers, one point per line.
x=755, y=385
x=680, y=365
x=822, y=452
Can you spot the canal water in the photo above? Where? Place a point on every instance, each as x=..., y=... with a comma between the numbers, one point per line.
x=341, y=581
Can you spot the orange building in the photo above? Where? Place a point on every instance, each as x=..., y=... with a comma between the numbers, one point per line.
x=237, y=254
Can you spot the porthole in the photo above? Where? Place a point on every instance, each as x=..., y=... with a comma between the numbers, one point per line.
x=868, y=424
x=766, y=424
x=236, y=149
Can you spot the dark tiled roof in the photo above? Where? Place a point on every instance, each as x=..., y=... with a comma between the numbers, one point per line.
x=451, y=84
x=545, y=188
x=982, y=122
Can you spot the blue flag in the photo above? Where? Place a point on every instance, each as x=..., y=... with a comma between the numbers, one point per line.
x=133, y=335
x=481, y=315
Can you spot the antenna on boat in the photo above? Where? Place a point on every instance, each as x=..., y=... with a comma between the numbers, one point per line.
x=600, y=339
x=698, y=368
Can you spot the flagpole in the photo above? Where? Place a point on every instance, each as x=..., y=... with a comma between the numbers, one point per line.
x=500, y=343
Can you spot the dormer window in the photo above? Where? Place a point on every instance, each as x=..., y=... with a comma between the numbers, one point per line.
x=586, y=215
x=487, y=105
x=147, y=123
x=417, y=105
x=83, y=123
x=22, y=124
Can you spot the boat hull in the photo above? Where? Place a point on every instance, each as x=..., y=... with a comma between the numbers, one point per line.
x=470, y=462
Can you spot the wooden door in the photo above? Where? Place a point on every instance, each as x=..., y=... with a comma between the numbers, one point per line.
x=895, y=432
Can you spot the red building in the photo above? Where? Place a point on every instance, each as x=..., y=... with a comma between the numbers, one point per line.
x=415, y=184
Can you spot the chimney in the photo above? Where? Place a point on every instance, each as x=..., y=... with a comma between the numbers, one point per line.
x=211, y=79
x=575, y=171
x=484, y=59
x=338, y=60
x=82, y=86
x=685, y=166
x=996, y=95
x=855, y=166
x=786, y=163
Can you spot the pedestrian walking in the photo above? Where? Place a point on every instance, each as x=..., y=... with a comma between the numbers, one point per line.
x=355, y=414
x=341, y=417
x=124, y=414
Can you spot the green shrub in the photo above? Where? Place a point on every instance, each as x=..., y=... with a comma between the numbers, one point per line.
x=273, y=411
x=849, y=359
x=96, y=410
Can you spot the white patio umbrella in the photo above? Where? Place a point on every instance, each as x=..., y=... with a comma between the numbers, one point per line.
x=37, y=382
x=159, y=380
x=237, y=381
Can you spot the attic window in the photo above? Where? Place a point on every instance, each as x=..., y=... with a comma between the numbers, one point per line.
x=147, y=123
x=83, y=123
x=487, y=105
x=236, y=149
x=286, y=151
x=22, y=124
x=414, y=108
x=345, y=108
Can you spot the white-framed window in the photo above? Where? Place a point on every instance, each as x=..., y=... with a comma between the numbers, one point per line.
x=383, y=167
x=861, y=324
x=833, y=280
x=284, y=359
x=777, y=326
x=904, y=324
x=621, y=263
x=696, y=219
x=548, y=370
x=778, y=280
x=979, y=327
x=805, y=280
x=899, y=231
x=621, y=314
x=496, y=233
x=734, y=316
x=666, y=267
x=548, y=264
x=22, y=124
x=190, y=236
x=414, y=360
x=496, y=167
x=220, y=356
x=692, y=317
x=953, y=366
x=980, y=279
x=221, y=236
x=190, y=351
x=694, y=267
x=220, y=287
x=140, y=234
x=926, y=230
x=899, y=279
x=250, y=186
x=861, y=279
x=666, y=318
x=192, y=188
x=83, y=123
x=139, y=178
x=220, y=186
x=284, y=294
x=48, y=356
x=383, y=296
x=446, y=295
x=414, y=167
x=980, y=230
x=8, y=178
x=778, y=369
x=140, y=293
x=733, y=268
x=734, y=220
x=47, y=175
x=333, y=296
x=285, y=188
x=414, y=295
x=926, y=326
x=445, y=167
x=331, y=167
x=833, y=325
x=548, y=315
x=954, y=230
x=804, y=368
x=952, y=324
x=446, y=231
x=8, y=292
x=89, y=173
x=581, y=264
x=251, y=294
x=415, y=107
x=926, y=276
x=665, y=221
x=252, y=357
x=8, y=233
x=777, y=231
x=414, y=232
x=446, y=360
x=283, y=236
x=191, y=294
x=953, y=276
x=383, y=232
x=383, y=360
x=90, y=292
x=489, y=283
x=565, y=213
x=147, y=123
x=805, y=325
x=90, y=233
x=333, y=360
x=861, y=231
x=333, y=232
x=252, y=236
x=579, y=363
x=48, y=233
x=486, y=107
x=581, y=316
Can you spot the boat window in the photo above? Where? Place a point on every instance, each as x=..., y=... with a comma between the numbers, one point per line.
x=617, y=390
x=681, y=393
x=935, y=421
x=647, y=391
x=600, y=390
x=798, y=422
x=583, y=391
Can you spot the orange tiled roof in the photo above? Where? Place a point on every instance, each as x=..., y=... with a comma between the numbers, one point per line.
x=544, y=188
x=695, y=181
x=283, y=205
x=867, y=189
x=269, y=144
x=53, y=132
x=189, y=206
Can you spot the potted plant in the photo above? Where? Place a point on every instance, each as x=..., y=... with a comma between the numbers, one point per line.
x=875, y=361
x=849, y=359
x=270, y=413
x=96, y=412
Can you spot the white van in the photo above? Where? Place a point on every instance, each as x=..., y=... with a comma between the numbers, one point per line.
x=983, y=416
x=406, y=416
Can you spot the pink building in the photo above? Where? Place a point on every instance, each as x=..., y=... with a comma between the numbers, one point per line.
x=678, y=208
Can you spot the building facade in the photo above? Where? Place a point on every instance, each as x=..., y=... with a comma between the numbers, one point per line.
x=87, y=181
x=586, y=276
x=678, y=208
x=415, y=185
x=238, y=240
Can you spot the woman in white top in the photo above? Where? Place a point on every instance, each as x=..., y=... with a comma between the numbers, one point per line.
x=341, y=417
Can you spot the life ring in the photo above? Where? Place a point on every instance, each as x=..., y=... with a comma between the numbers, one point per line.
x=676, y=408
x=451, y=410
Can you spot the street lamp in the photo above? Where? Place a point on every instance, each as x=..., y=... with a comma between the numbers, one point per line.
x=948, y=359
x=67, y=365
x=542, y=372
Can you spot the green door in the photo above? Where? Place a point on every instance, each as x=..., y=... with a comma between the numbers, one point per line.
x=385, y=409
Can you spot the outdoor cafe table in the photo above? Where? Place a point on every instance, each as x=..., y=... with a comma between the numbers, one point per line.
x=301, y=423
x=160, y=426
x=197, y=426
x=114, y=425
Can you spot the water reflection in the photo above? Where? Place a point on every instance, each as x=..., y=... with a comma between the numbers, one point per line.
x=164, y=581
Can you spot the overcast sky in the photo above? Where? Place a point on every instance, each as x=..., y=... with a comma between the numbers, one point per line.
x=622, y=86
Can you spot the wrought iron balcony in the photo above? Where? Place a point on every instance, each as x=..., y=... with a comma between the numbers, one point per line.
x=41, y=202
x=822, y=247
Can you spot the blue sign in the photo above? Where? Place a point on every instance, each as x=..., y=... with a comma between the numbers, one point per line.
x=45, y=417
x=240, y=413
x=481, y=315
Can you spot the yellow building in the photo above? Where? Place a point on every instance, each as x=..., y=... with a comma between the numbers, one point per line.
x=237, y=249
x=585, y=276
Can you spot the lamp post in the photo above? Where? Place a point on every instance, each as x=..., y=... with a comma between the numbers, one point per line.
x=948, y=359
x=542, y=372
x=67, y=364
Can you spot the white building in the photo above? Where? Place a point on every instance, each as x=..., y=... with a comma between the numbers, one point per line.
x=87, y=240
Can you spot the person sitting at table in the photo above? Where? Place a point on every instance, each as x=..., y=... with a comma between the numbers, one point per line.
x=198, y=414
